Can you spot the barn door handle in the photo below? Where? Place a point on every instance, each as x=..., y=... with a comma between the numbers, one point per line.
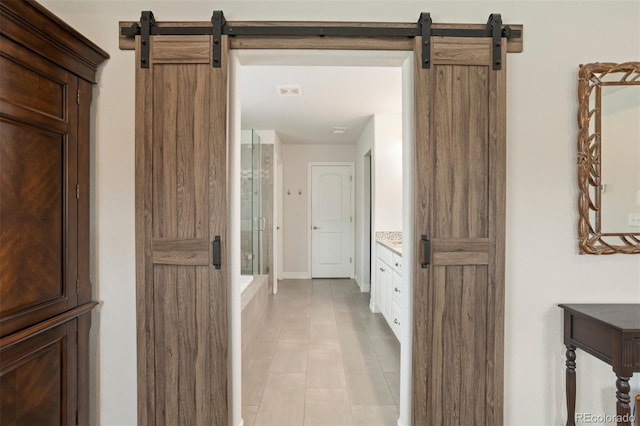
x=217, y=253
x=426, y=251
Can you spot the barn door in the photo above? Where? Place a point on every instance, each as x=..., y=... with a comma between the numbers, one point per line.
x=460, y=208
x=181, y=232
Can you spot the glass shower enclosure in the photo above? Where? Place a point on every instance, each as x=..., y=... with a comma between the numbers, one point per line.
x=256, y=205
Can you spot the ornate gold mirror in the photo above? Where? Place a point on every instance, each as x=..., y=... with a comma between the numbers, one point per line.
x=609, y=158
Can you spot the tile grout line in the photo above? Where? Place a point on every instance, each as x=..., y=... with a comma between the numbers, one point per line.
x=344, y=369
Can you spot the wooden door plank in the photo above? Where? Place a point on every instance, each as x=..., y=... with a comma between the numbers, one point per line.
x=452, y=347
x=219, y=374
x=497, y=219
x=422, y=339
x=203, y=360
x=461, y=51
x=144, y=232
x=177, y=50
x=187, y=348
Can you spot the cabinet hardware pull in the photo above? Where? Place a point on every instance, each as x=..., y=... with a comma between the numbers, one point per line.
x=426, y=251
x=395, y=320
x=217, y=253
x=396, y=290
x=382, y=269
x=397, y=264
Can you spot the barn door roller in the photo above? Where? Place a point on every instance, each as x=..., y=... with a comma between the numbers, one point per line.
x=220, y=26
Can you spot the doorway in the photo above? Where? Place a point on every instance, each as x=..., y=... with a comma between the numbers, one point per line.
x=460, y=96
x=294, y=191
x=367, y=220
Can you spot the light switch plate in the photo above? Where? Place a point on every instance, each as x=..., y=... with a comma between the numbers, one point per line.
x=634, y=220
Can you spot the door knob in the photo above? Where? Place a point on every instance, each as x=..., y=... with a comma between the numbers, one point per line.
x=315, y=227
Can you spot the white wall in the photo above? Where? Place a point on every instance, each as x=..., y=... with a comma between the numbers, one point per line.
x=388, y=172
x=543, y=267
x=383, y=137
x=295, y=160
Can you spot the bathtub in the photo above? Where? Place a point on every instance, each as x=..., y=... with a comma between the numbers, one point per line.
x=253, y=302
x=245, y=280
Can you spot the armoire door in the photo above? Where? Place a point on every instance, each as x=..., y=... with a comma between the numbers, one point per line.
x=460, y=208
x=38, y=379
x=38, y=178
x=181, y=228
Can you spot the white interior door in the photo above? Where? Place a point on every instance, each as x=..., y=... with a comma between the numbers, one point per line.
x=331, y=221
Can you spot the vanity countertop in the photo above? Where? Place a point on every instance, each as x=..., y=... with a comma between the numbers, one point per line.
x=391, y=240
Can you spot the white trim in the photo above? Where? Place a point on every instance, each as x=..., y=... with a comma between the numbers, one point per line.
x=352, y=226
x=235, y=308
x=408, y=236
x=277, y=185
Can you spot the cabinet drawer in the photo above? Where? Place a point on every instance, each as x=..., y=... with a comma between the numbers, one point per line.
x=384, y=254
x=396, y=262
x=396, y=287
x=395, y=320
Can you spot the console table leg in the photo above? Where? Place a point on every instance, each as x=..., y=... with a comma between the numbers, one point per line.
x=623, y=410
x=571, y=385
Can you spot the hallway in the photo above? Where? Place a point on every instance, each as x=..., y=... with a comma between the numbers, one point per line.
x=321, y=358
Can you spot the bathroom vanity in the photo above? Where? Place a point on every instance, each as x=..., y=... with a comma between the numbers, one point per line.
x=388, y=278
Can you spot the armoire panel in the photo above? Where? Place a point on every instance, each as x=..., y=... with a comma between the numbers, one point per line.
x=37, y=378
x=32, y=235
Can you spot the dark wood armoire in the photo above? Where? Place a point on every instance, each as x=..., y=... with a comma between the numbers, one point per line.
x=46, y=74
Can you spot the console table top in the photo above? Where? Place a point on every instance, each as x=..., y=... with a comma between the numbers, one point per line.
x=623, y=316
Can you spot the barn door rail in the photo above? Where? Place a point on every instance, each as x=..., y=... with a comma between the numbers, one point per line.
x=220, y=26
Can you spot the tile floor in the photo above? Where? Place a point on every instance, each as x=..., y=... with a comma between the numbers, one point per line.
x=321, y=358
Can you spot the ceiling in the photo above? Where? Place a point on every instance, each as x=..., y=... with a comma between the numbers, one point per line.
x=332, y=96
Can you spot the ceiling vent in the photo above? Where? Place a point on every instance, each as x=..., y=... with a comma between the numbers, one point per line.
x=339, y=130
x=290, y=90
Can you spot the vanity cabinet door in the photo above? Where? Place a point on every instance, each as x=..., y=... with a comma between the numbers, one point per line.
x=383, y=284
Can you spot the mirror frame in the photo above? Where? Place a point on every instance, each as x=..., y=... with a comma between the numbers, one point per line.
x=591, y=78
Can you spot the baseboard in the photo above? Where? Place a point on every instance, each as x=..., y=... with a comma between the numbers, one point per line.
x=295, y=276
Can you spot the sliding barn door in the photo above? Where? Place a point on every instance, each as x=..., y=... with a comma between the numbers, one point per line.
x=460, y=208
x=181, y=231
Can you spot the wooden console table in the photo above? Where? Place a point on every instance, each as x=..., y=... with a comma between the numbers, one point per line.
x=610, y=332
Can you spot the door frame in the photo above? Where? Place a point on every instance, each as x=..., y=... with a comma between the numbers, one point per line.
x=352, y=198
x=338, y=42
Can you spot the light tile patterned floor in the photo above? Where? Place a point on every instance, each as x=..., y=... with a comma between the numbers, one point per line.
x=321, y=358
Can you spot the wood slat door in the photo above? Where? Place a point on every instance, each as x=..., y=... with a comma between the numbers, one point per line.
x=460, y=207
x=181, y=209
